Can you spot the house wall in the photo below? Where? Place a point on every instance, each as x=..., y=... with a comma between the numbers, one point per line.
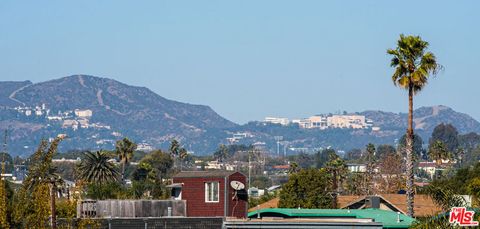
x=239, y=206
x=193, y=191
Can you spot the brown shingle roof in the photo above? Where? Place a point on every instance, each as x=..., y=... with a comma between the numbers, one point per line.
x=210, y=173
x=424, y=205
x=273, y=203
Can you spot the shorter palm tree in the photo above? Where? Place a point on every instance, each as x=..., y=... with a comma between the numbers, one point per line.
x=96, y=167
x=438, y=152
x=124, y=149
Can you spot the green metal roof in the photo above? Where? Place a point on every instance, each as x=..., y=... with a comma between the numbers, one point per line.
x=387, y=218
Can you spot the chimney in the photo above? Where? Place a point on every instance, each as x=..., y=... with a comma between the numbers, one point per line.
x=372, y=202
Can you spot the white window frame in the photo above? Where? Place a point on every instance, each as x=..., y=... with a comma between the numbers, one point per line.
x=209, y=193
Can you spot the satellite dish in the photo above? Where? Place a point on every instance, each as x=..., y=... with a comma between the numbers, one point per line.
x=237, y=185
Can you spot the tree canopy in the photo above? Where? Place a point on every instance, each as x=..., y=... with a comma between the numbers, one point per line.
x=308, y=188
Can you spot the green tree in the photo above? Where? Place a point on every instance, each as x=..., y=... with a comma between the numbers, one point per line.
x=473, y=189
x=417, y=146
x=322, y=157
x=446, y=133
x=33, y=205
x=353, y=155
x=308, y=188
x=337, y=167
x=96, y=168
x=3, y=205
x=438, y=151
x=124, y=149
x=161, y=164
x=384, y=150
x=413, y=65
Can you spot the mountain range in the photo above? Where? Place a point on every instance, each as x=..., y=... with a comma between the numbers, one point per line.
x=94, y=112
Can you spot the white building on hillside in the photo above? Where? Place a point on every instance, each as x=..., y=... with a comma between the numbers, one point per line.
x=275, y=120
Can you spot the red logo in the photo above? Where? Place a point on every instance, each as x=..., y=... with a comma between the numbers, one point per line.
x=462, y=217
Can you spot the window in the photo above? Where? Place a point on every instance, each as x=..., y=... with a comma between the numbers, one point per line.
x=211, y=192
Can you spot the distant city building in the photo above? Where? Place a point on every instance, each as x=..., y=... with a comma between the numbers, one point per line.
x=275, y=120
x=334, y=121
x=144, y=147
x=357, y=168
x=83, y=113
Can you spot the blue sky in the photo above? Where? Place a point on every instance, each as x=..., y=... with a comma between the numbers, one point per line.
x=247, y=59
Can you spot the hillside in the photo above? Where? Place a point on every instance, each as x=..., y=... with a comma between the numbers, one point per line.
x=117, y=110
x=94, y=112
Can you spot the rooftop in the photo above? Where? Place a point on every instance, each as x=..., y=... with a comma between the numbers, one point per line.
x=388, y=219
x=210, y=173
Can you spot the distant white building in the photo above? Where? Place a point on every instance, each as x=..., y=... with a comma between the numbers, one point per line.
x=334, y=121
x=357, y=168
x=69, y=123
x=347, y=121
x=275, y=120
x=144, y=147
x=83, y=113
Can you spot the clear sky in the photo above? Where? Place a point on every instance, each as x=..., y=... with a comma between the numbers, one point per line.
x=248, y=59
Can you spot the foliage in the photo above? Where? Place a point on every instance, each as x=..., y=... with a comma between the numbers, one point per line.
x=438, y=151
x=473, y=188
x=66, y=208
x=124, y=150
x=413, y=65
x=392, y=179
x=3, y=205
x=444, y=197
x=253, y=202
x=106, y=190
x=32, y=208
x=447, y=134
x=309, y=188
x=383, y=150
x=96, y=168
x=321, y=157
x=353, y=155
x=417, y=146
x=337, y=167
x=148, y=178
x=261, y=182
x=66, y=170
x=303, y=160
x=8, y=160
x=160, y=162
x=355, y=184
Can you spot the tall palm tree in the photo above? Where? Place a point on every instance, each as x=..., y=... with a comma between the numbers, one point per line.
x=124, y=149
x=413, y=65
x=96, y=167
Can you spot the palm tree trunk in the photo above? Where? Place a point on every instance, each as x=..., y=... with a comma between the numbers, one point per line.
x=123, y=173
x=409, y=154
x=335, y=187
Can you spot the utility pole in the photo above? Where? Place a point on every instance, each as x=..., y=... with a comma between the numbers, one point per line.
x=278, y=139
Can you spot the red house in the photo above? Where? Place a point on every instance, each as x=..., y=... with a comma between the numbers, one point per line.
x=212, y=193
